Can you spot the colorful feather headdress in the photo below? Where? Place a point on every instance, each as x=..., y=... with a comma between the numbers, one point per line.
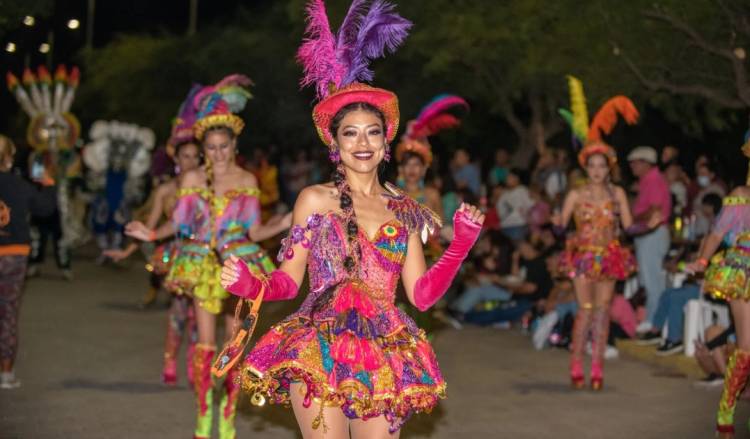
x=47, y=102
x=590, y=135
x=434, y=117
x=217, y=105
x=337, y=65
x=182, y=125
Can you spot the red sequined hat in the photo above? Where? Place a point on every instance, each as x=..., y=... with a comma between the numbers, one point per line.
x=338, y=65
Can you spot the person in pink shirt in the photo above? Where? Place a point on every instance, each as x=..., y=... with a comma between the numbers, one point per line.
x=651, y=247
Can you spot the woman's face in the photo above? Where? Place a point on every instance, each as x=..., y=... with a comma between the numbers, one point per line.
x=219, y=147
x=413, y=170
x=188, y=157
x=597, y=168
x=361, y=141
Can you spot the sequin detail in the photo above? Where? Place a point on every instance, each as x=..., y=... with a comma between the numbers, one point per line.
x=594, y=251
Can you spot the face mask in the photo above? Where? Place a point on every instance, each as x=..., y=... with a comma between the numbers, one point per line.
x=703, y=180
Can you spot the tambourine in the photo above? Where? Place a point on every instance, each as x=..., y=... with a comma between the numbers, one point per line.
x=233, y=350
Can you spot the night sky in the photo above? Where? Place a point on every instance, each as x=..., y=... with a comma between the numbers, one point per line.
x=111, y=18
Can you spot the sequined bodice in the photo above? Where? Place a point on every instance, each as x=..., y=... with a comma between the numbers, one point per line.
x=380, y=264
x=596, y=223
x=198, y=214
x=378, y=270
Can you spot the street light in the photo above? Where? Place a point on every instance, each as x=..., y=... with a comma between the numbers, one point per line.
x=10, y=47
x=29, y=20
x=44, y=48
x=73, y=24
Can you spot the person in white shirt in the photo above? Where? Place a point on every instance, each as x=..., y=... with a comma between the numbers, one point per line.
x=513, y=207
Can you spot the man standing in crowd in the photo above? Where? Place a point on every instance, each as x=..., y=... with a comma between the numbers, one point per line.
x=651, y=248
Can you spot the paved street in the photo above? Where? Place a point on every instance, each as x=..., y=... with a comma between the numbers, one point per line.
x=90, y=363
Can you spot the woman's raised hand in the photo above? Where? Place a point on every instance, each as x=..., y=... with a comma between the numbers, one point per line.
x=471, y=213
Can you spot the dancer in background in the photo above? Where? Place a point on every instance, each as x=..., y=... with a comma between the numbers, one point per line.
x=185, y=152
x=18, y=199
x=414, y=158
x=53, y=133
x=594, y=258
x=348, y=360
x=728, y=277
x=414, y=153
x=118, y=159
x=217, y=215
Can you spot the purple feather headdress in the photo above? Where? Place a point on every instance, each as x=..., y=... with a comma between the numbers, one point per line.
x=182, y=125
x=369, y=30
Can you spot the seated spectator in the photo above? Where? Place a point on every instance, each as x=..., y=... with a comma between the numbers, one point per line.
x=465, y=173
x=670, y=155
x=676, y=178
x=712, y=355
x=513, y=207
x=670, y=312
x=549, y=175
x=540, y=212
x=484, y=283
x=492, y=219
x=709, y=185
x=528, y=292
x=499, y=172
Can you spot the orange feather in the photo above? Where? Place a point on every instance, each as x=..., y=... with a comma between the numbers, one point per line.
x=606, y=118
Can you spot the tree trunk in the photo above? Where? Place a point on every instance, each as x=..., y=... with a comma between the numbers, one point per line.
x=532, y=136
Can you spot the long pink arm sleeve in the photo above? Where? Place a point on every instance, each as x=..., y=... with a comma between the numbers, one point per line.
x=280, y=286
x=431, y=286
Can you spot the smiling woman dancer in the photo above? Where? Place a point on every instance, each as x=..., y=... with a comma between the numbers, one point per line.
x=348, y=360
x=217, y=215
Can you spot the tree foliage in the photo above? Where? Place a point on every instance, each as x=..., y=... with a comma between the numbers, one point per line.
x=509, y=59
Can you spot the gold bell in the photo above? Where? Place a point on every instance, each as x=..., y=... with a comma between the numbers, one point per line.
x=258, y=400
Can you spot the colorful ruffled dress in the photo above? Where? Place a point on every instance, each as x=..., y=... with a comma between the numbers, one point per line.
x=196, y=269
x=594, y=251
x=728, y=274
x=358, y=350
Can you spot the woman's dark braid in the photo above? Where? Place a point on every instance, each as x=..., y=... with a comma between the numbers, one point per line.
x=350, y=219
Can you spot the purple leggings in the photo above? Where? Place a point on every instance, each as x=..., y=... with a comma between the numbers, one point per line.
x=12, y=273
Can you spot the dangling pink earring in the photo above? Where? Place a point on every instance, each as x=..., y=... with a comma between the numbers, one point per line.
x=333, y=155
x=387, y=156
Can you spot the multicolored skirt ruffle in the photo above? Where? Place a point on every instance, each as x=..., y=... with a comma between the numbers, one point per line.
x=161, y=259
x=728, y=274
x=611, y=262
x=196, y=271
x=299, y=350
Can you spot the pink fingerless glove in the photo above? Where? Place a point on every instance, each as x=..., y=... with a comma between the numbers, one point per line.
x=435, y=282
x=280, y=285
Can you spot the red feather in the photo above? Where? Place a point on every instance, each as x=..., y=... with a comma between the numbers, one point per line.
x=434, y=125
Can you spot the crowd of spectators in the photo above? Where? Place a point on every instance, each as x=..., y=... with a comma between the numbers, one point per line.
x=512, y=280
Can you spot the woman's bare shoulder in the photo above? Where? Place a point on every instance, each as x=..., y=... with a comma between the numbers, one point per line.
x=193, y=178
